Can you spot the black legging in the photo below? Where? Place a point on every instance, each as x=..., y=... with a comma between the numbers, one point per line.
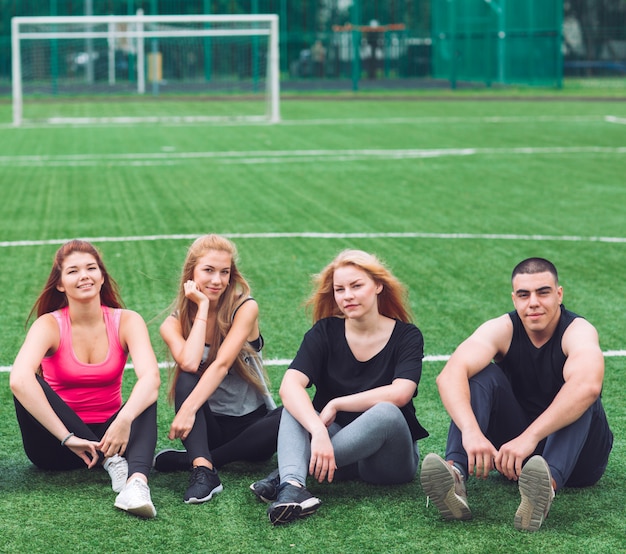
x=224, y=439
x=45, y=451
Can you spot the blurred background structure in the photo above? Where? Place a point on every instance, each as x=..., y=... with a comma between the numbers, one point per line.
x=361, y=44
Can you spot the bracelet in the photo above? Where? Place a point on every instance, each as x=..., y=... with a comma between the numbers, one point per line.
x=66, y=439
x=199, y=319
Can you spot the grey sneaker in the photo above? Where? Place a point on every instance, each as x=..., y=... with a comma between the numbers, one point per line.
x=135, y=499
x=267, y=489
x=117, y=468
x=444, y=484
x=535, y=487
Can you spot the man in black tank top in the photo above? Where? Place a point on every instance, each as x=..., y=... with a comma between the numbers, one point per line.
x=523, y=392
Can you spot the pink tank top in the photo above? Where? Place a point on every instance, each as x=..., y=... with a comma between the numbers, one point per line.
x=93, y=391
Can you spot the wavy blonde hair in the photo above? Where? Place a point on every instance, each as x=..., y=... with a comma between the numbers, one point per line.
x=392, y=300
x=237, y=291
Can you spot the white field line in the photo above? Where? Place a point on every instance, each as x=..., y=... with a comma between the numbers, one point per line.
x=312, y=235
x=191, y=120
x=618, y=120
x=167, y=157
x=286, y=361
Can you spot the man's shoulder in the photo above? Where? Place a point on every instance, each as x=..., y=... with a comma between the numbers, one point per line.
x=501, y=323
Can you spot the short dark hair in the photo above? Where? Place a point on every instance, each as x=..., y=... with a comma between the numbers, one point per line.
x=535, y=265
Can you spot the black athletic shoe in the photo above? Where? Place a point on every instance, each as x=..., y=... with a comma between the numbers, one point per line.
x=292, y=503
x=171, y=460
x=203, y=484
x=267, y=489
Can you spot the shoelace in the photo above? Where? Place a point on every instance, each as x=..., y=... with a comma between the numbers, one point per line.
x=117, y=468
x=199, y=475
x=140, y=488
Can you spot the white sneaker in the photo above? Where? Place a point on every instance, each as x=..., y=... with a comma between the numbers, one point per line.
x=135, y=499
x=117, y=468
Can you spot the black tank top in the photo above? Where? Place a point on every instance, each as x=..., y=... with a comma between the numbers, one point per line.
x=536, y=374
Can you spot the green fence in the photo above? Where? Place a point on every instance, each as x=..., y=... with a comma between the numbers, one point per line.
x=363, y=43
x=503, y=41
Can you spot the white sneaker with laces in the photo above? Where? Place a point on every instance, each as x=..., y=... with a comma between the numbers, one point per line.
x=135, y=499
x=117, y=468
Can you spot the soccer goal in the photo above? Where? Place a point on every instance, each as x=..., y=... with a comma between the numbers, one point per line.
x=138, y=68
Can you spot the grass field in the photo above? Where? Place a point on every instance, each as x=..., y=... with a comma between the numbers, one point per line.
x=450, y=193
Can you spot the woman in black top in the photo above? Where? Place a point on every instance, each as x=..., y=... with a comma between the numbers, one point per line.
x=365, y=359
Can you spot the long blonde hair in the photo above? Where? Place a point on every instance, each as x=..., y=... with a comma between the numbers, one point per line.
x=392, y=300
x=237, y=291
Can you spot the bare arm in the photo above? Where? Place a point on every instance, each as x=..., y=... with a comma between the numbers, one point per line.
x=187, y=353
x=135, y=338
x=399, y=392
x=473, y=355
x=583, y=373
x=244, y=323
x=42, y=337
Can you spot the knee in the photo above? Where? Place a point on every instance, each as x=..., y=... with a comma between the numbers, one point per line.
x=149, y=414
x=386, y=412
x=287, y=420
x=185, y=383
x=490, y=377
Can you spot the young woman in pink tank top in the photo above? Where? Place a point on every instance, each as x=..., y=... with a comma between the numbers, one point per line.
x=67, y=377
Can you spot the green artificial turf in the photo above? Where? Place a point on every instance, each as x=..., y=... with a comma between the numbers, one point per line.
x=451, y=193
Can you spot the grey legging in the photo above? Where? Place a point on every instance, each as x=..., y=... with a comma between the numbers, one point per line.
x=377, y=444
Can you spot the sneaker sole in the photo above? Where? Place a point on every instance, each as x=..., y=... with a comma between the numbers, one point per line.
x=438, y=484
x=165, y=467
x=194, y=500
x=146, y=511
x=535, y=486
x=286, y=513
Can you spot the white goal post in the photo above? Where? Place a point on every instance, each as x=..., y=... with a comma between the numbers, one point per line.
x=211, y=60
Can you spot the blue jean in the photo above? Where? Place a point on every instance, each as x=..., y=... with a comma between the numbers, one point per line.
x=577, y=454
x=376, y=447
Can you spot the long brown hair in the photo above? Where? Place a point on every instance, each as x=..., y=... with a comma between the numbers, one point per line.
x=392, y=300
x=235, y=294
x=51, y=298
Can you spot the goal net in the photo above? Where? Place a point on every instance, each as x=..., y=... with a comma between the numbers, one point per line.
x=137, y=68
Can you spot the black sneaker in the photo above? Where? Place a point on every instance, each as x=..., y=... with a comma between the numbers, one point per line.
x=171, y=460
x=267, y=489
x=203, y=484
x=292, y=503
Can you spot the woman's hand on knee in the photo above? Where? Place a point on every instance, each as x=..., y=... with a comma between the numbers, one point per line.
x=322, y=464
